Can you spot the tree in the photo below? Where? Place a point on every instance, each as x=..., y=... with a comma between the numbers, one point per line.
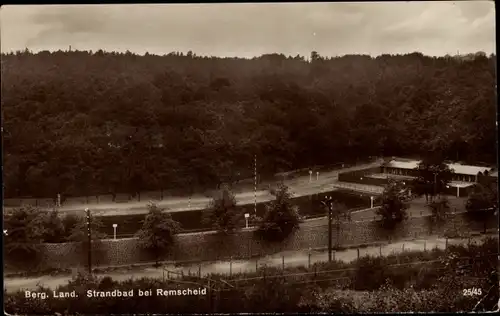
x=483, y=201
x=433, y=177
x=440, y=209
x=24, y=233
x=393, y=206
x=158, y=231
x=281, y=218
x=221, y=213
x=182, y=107
x=79, y=232
x=53, y=227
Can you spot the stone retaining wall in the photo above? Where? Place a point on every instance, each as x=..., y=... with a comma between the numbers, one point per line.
x=210, y=246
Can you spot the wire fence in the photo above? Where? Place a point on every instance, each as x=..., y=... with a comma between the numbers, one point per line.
x=310, y=260
x=316, y=276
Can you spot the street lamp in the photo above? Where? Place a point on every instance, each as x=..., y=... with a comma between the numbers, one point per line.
x=114, y=231
x=246, y=219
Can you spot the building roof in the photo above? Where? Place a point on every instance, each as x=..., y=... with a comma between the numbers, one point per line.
x=412, y=164
x=457, y=168
x=467, y=169
x=460, y=184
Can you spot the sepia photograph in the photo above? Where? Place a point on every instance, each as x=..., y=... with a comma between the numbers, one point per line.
x=224, y=158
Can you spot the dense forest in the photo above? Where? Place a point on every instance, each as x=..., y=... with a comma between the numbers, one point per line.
x=82, y=123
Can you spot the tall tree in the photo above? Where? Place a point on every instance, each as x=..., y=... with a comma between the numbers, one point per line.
x=281, y=218
x=482, y=203
x=393, y=206
x=221, y=213
x=433, y=177
x=158, y=231
x=24, y=234
x=440, y=209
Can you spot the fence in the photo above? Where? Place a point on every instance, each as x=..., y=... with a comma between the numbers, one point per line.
x=359, y=187
x=310, y=263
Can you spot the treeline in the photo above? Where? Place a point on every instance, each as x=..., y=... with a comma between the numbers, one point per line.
x=461, y=278
x=84, y=123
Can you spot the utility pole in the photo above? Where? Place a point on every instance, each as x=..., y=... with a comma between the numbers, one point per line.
x=328, y=204
x=89, y=235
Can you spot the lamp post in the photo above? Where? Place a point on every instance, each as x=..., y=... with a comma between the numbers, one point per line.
x=89, y=235
x=246, y=219
x=114, y=231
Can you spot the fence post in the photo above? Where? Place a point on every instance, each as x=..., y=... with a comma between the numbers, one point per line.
x=283, y=263
x=309, y=262
x=358, y=252
x=333, y=255
x=425, y=245
x=403, y=247
x=230, y=266
x=446, y=244
x=380, y=250
x=256, y=265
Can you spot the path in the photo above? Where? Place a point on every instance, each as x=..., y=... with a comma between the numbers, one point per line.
x=291, y=259
x=300, y=186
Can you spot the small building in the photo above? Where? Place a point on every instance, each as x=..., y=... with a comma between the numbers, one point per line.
x=463, y=179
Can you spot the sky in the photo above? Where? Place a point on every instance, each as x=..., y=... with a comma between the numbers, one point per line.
x=248, y=30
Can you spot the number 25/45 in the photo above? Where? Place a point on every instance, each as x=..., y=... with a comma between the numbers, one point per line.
x=471, y=292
